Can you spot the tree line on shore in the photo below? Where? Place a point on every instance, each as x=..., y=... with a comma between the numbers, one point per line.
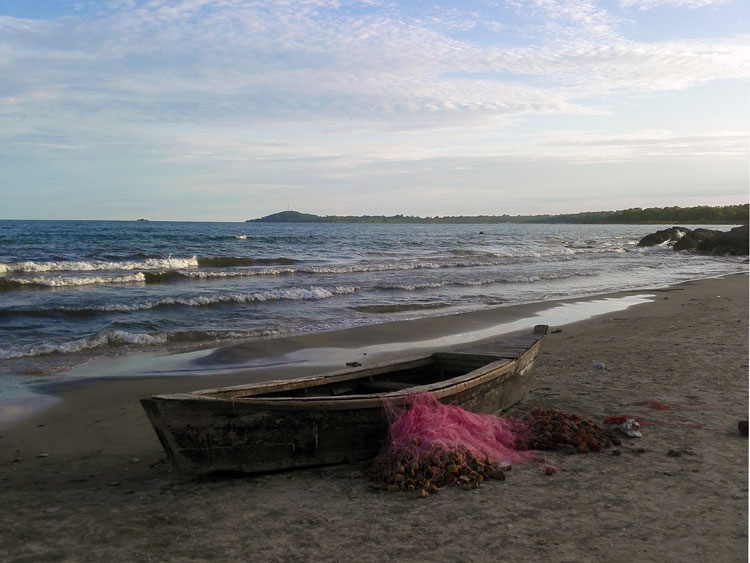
x=704, y=215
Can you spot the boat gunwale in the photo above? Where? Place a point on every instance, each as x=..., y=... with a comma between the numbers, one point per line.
x=439, y=390
x=337, y=376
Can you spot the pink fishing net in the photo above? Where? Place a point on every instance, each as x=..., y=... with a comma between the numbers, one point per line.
x=422, y=425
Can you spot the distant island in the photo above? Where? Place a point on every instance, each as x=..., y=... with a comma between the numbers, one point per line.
x=704, y=215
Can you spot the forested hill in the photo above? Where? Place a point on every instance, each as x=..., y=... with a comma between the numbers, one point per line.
x=702, y=215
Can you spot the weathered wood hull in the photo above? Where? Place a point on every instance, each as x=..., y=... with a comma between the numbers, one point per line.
x=257, y=427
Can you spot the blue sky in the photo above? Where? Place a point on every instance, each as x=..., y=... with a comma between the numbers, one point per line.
x=229, y=109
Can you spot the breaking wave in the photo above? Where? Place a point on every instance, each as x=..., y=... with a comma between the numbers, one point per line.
x=239, y=261
x=399, y=308
x=486, y=281
x=119, y=338
x=67, y=281
x=99, y=265
x=295, y=294
x=112, y=338
x=169, y=263
x=162, y=271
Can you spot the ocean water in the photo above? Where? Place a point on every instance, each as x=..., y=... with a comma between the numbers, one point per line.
x=74, y=290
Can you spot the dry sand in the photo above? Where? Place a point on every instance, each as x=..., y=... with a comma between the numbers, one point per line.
x=105, y=492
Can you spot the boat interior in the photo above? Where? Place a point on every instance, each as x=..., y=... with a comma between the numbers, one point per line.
x=385, y=379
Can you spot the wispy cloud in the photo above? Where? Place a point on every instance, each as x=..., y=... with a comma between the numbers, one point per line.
x=332, y=156
x=213, y=61
x=348, y=87
x=649, y=4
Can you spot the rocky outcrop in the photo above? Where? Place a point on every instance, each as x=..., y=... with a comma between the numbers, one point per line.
x=734, y=242
x=693, y=238
x=668, y=236
x=708, y=241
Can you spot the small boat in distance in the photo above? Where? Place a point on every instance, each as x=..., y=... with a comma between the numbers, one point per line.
x=334, y=417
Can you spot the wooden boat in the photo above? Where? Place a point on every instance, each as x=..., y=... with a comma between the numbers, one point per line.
x=335, y=417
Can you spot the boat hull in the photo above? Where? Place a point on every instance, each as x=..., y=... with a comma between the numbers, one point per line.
x=224, y=431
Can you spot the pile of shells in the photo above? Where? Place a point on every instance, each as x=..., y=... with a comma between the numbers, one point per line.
x=431, y=472
x=552, y=429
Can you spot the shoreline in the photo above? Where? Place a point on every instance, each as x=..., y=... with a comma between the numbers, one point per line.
x=140, y=363
x=90, y=469
x=299, y=355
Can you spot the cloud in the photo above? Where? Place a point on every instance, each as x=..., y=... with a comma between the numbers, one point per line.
x=645, y=144
x=568, y=18
x=225, y=61
x=335, y=157
x=650, y=4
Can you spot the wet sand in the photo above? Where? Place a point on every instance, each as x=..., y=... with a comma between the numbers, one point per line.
x=104, y=490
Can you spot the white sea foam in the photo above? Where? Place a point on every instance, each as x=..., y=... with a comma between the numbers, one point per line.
x=295, y=294
x=239, y=273
x=108, y=338
x=338, y=269
x=656, y=249
x=98, y=265
x=416, y=286
x=68, y=281
x=373, y=267
x=203, y=335
x=120, y=338
x=488, y=281
x=376, y=267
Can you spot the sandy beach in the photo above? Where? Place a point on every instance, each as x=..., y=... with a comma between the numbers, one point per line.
x=87, y=480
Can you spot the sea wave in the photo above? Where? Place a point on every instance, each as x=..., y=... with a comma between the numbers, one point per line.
x=67, y=281
x=113, y=339
x=293, y=294
x=99, y=265
x=487, y=281
x=316, y=270
x=399, y=307
x=192, y=271
x=238, y=261
x=187, y=336
x=415, y=286
x=469, y=252
x=164, y=277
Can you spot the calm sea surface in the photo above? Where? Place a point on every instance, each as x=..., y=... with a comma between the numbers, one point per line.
x=72, y=290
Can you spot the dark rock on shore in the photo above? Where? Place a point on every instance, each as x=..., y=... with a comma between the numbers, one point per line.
x=693, y=238
x=734, y=242
x=708, y=241
x=669, y=236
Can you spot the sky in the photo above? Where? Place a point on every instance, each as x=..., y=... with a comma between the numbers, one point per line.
x=225, y=110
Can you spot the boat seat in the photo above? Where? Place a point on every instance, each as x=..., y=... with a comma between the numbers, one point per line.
x=383, y=386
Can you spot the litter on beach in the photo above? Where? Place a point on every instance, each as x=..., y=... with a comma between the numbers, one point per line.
x=631, y=428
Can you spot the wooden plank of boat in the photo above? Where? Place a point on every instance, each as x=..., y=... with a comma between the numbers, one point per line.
x=330, y=418
x=510, y=347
